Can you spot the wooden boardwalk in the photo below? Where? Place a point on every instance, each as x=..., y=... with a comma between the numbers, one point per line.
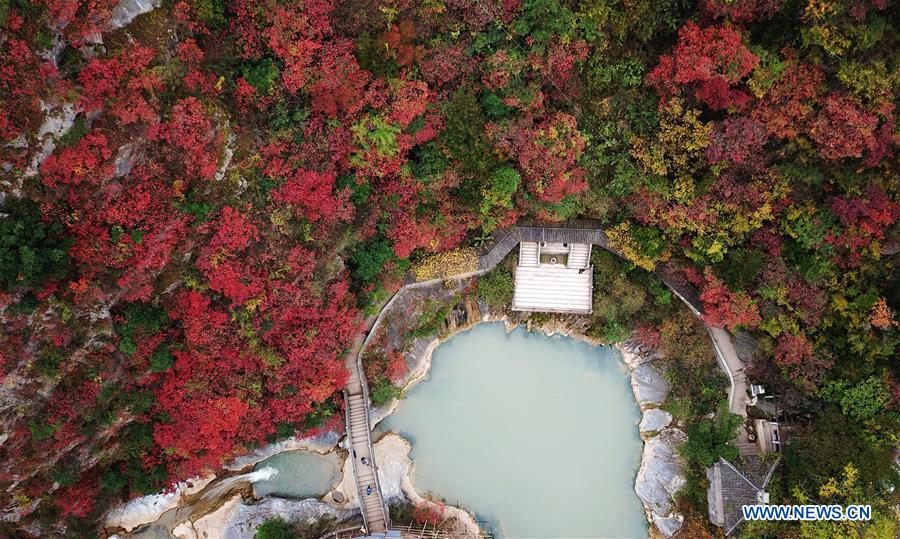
x=579, y=231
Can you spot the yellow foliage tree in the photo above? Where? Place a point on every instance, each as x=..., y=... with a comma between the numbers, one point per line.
x=622, y=239
x=446, y=264
x=677, y=149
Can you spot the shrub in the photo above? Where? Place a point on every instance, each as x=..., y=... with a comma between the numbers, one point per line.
x=431, y=319
x=446, y=264
x=496, y=287
x=382, y=391
x=369, y=259
x=262, y=75
x=275, y=528
x=161, y=360
x=708, y=438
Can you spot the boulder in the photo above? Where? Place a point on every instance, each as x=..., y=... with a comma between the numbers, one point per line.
x=668, y=526
x=648, y=384
x=661, y=473
x=655, y=419
x=237, y=519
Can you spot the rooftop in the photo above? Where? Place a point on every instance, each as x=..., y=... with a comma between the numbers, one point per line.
x=732, y=486
x=554, y=277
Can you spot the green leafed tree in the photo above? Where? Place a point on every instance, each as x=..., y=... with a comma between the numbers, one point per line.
x=708, y=438
x=31, y=251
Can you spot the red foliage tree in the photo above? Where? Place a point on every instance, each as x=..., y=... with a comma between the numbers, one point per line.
x=87, y=161
x=740, y=11
x=737, y=140
x=547, y=153
x=78, y=499
x=223, y=261
x=866, y=219
x=80, y=21
x=444, y=65
x=647, y=337
x=122, y=84
x=559, y=68
x=795, y=355
x=203, y=430
x=429, y=514
x=339, y=88
x=396, y=366
x=843, y=128
x=190, y=133
x=710, y=61
x=724, y=308
x=24, y=79
x=311, y=195
x=788, y=106
x=294, y=32
x=399, y=43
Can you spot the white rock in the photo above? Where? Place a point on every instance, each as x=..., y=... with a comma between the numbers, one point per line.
x=669, y=526
x=661, y=473
x=127, y=10
x=655, y=419
x=237, y=520
x=124, y=160
x=648, y=384
x=630, y=357
x=392, y=456
x=226, y=158
x=149, y=508
x=185, y=530
x=57, y=122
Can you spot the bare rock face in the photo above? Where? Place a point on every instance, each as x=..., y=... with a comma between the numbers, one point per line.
x=655, y=419
x=648, y=384
x=669, y=526
x=58, y=119
x=127, y=10
x=238, y=519
x=659, y=478
x=662, y=468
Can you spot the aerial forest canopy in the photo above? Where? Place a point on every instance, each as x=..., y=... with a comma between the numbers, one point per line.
x=200, y=205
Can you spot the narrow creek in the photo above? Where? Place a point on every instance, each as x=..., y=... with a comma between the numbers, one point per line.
x=538, y=436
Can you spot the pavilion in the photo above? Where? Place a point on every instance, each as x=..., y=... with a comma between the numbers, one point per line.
x=554, y=277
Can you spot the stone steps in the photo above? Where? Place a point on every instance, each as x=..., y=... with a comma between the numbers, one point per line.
x=579, y=255
x=529, y=253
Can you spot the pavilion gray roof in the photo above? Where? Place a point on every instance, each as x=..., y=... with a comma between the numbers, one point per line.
x=732, y=487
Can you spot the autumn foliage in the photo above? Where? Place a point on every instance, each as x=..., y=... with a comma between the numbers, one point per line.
x=200, y=207
x=709, y=62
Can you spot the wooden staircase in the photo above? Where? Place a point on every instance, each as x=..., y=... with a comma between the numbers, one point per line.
x=579, y=255
x=529, y=254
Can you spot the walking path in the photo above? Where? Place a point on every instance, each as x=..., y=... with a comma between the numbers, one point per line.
x=359, y=429
x=356, y=394
x=587, y=231
x=359, y=440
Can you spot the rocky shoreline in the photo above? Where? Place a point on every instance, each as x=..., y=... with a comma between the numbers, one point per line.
x=661, y=473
